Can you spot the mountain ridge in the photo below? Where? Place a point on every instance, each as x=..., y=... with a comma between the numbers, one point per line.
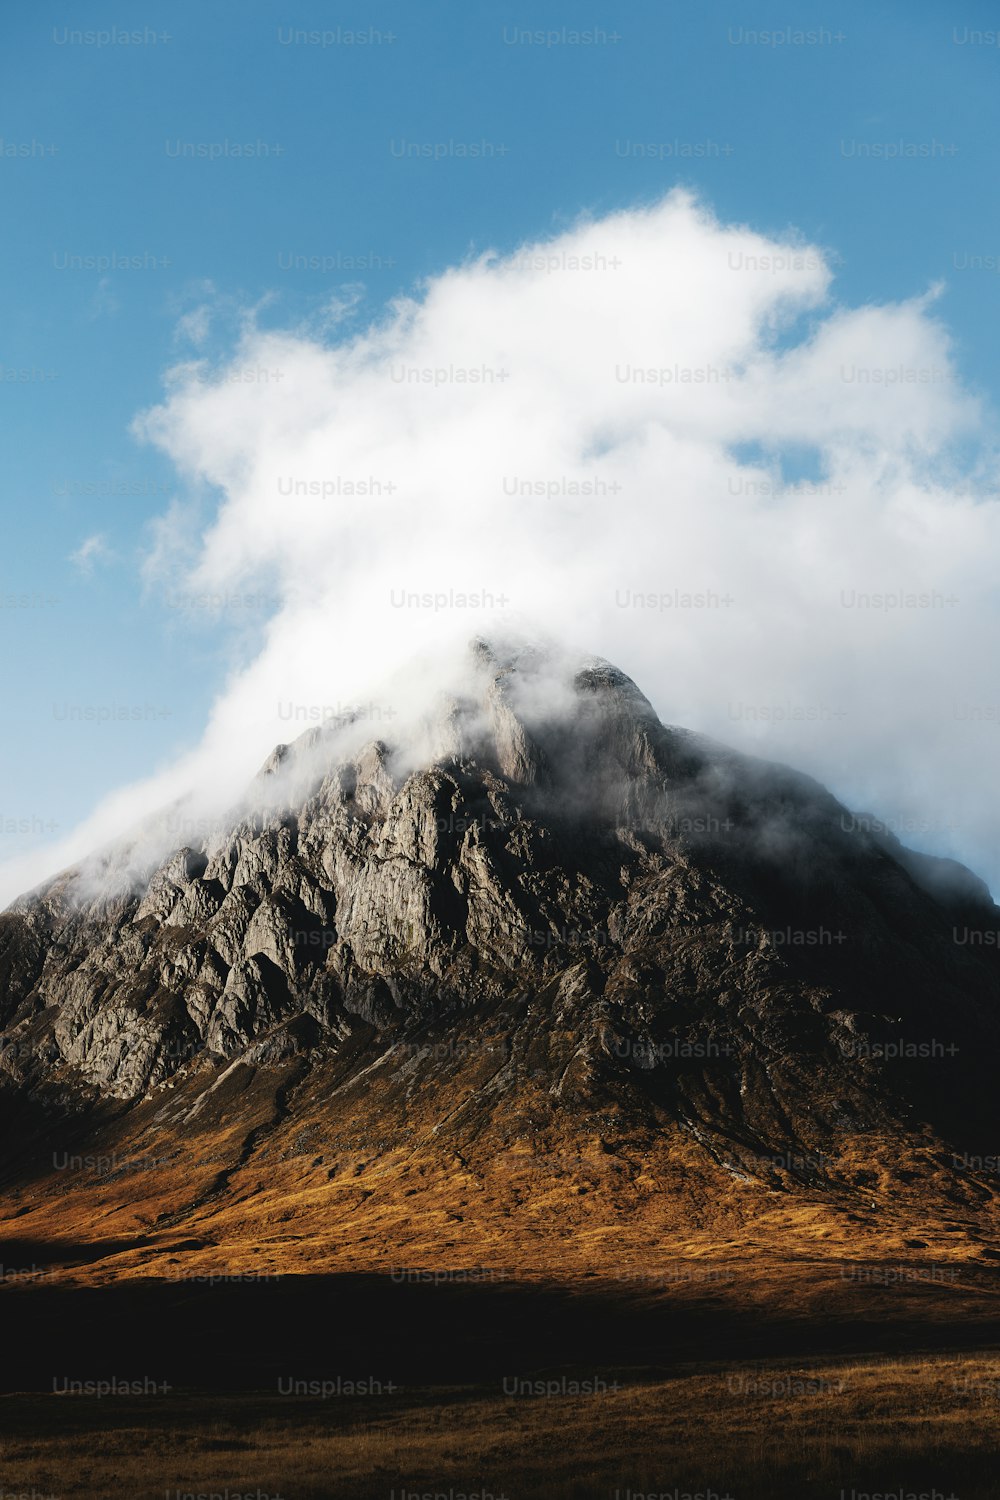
x=576, y=925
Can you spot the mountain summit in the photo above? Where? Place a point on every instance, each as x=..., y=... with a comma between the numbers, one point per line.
x=560, y=930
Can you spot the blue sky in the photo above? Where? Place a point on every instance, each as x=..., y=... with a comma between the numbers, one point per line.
x=94, y=165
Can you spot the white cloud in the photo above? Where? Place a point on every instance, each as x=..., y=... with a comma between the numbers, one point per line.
x=195, y=326
x=104, y=302
x=639, y=395
x=92, y=551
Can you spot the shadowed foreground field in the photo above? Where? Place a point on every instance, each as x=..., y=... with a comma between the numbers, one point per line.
x=495, y=1387
x=879, y=1426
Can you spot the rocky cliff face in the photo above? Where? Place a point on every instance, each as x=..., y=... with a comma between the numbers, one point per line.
x=651, y=925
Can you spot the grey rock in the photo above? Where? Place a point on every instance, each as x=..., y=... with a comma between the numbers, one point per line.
x=709, y=936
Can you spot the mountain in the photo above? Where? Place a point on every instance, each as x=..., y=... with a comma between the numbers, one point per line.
x=559, y=956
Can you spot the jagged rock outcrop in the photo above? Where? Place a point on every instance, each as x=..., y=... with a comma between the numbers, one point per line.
x=666, y=926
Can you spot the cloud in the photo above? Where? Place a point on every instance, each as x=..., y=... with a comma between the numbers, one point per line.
x=92, y=551
x=195, y=326
x=654, y=437
x=104, y=301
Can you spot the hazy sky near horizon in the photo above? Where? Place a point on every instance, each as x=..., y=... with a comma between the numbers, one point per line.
x=678, y=303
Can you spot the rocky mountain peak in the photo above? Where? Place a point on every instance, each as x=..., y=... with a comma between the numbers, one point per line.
x=545, y=857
